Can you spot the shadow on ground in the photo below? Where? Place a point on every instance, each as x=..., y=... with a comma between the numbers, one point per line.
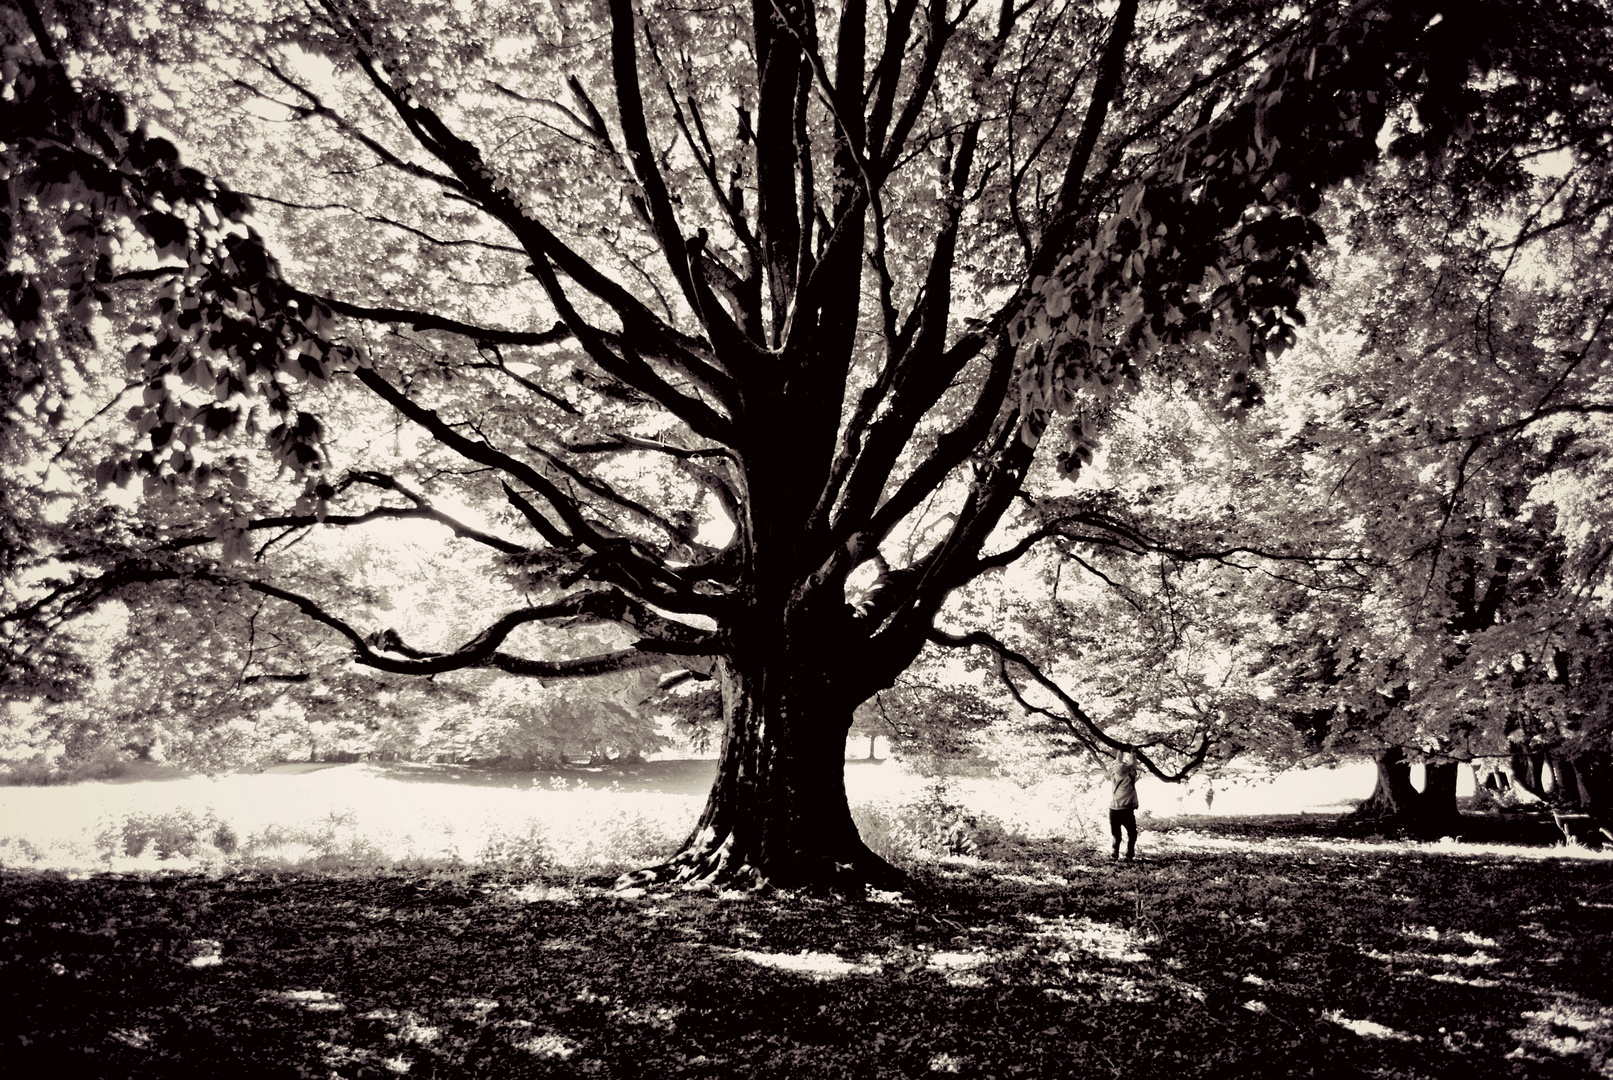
x=1375, y=962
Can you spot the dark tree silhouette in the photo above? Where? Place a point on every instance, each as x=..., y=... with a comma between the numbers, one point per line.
x=724, y=303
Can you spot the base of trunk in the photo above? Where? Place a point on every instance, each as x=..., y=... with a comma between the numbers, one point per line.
x=711, y=861
x=777, y=814
x=1395, y=802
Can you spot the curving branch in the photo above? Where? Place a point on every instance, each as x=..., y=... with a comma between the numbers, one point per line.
x=643, y=332
x=421, y=510
x=622, y=443
x=1120, y=536
x=316, y=107
x=631, y=368
x=386, y=651
x=635, y=134
x=604, y=491
x=617, y=560
x=381, y=219
x=951, y=450
x=1083, y=727
x=415, y=319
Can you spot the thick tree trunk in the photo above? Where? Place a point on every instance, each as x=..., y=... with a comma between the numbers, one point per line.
x=1438, y=810
x=1393, y=796
x=777, y=813
x=1567, y=782
x=1428, y=813
x=1593, y=770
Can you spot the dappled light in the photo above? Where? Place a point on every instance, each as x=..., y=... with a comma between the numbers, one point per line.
x=656, y=539
x=816, y=964
x=1252, y=958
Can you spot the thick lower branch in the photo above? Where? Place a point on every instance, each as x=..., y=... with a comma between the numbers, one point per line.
x=674, y=639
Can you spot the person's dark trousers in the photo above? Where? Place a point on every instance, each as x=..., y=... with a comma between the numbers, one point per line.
x=1124, y=819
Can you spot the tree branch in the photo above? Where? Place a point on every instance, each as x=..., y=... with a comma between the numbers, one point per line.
x=1082, y=726
x=482, y=650
x=622, y=562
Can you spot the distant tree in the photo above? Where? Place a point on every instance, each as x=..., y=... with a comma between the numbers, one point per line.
x=1447, y=447
x=1471, y=440
x=719, y=303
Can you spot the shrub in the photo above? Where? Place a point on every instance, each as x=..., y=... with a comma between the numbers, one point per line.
x=935, y=826
x=334, y=841
x=40, y=770
x=526, y=852
x=175, y=833
x=225, y=839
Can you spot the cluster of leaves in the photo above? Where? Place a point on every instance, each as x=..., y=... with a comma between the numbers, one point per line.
x=1407, y=548
x=91, y=198
x=1219, y=233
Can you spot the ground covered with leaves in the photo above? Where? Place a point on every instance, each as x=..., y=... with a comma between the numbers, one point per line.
x=1214, y=956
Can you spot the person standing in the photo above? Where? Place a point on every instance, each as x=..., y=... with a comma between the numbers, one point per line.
x=1123, y=806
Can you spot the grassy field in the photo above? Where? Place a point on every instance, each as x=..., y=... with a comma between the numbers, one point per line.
x=391, y=816
x=1238, y=946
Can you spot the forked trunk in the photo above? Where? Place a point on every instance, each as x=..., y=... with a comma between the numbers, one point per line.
x=1430, y=812
x=1571, y=781
x=777, y=812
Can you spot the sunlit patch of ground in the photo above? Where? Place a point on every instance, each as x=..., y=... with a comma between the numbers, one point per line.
x=1367, y=1028
x=819, y=965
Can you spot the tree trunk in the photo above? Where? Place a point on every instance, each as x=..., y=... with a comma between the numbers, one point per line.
x=1526, y=770
x=1576, y=781
x=1428, y=813
x=1567, y=781
x=1593, y=769
x=1393, y=796
x=777, y=813
x=1439, y=816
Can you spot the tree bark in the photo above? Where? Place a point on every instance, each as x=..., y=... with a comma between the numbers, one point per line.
x=1576, y=781
x=1593, y=769
x=1438, y=800
x=777, y=812
x=1428, y=813
x=1567, y=781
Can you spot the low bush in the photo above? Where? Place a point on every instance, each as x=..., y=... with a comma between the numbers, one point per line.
x=527, y=851
x=38, y=771
x=937, y=825
x=181, y=833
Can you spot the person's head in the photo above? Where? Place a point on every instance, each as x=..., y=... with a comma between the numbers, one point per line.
x=1126, y=757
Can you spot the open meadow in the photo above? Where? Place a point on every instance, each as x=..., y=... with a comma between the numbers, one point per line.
x=314, y=940
x=299, y=814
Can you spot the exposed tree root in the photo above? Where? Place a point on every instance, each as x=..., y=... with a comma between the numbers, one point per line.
x=706, y=862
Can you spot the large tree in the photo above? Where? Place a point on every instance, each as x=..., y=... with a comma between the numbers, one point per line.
x=755, y=317
x=1472, y=453
x=1442, y=454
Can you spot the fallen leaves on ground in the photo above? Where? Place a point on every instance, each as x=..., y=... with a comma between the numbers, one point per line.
x=1373, y=962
